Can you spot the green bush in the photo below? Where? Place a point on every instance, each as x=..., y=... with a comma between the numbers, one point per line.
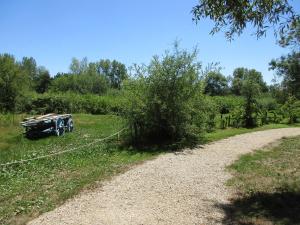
x=165, y=103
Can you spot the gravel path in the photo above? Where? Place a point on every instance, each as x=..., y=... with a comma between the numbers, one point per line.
x=175, y=188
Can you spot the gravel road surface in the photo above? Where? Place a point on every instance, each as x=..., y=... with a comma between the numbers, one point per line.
x=175, y=188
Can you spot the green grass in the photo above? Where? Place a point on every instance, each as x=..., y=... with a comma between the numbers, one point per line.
x=28, y=189
x=268, y=185
x=225, y=133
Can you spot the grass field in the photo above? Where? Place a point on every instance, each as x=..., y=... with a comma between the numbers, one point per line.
x=29, y=189
x=268, y=185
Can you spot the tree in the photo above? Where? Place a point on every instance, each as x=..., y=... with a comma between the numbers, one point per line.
x=215, y=84
x=166, y=103
x=250, y=90
x=242, y=74
x=115, y=72
x=29, y=69
x=235, y=15
x=292, y=109
x=11, y=82
x=288, y=67
x=292, y=37
x=43, y=80
x=75, y=66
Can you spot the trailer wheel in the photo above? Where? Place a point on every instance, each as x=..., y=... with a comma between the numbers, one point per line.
x=60, y=127
x=70, y=125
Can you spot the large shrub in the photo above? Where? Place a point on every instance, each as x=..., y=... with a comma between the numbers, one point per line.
x=165, y=102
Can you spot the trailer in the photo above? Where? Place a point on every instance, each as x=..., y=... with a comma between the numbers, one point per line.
x=56, y=124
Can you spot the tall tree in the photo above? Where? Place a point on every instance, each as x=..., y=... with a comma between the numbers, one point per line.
x=75, y=67
x=115, y=71
x=11, y=82
x=29, y=68
x=233, y=16
x=288, y=67
x=242, y=74
x=250, y=90
x=216, y=84
x=43, y=80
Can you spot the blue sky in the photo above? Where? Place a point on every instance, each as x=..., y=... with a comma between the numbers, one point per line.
x=130, y=31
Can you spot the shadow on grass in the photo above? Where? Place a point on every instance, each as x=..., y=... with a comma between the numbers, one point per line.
x=264, y=208
x=37, y=135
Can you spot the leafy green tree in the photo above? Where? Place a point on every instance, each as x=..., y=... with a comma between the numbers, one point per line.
x=215, y=84
x=115, y=72
x=84, y=78
x=292, y=109
x=166, y=103
x=277, y=91
x=80, y=83
x=12, y=82
x=288, y=67
x=250, y=90
x=29, y=69
x=292, y=37
x=242, y=74
x=77, y=66
x=43, y=80
x=233, y=16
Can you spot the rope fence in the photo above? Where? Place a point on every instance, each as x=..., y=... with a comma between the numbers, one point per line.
x=65, y=151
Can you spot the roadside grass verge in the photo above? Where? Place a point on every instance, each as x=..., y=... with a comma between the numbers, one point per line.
x=225, y=133
x=268, y=186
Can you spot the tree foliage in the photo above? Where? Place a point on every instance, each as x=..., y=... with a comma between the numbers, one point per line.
x=292, y=109
x=233, y=16
x=42, y=80
x=12, y=82
x=216, y=84
x=250, y=90
x=288, y=67
x=115, y=72
x=292, y=37
x=93, y=77
x=166, y=103
x=242, y=74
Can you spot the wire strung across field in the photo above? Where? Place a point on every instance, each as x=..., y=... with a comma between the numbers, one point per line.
x=61, y=152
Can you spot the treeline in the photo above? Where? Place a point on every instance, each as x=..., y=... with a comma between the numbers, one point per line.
x=173, y=98
x=22, y=81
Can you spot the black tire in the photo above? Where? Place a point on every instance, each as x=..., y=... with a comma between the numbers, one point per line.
x=60, y=127
x=70, y=125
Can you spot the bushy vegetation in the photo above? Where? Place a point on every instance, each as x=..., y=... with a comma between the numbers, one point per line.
x=172, y=99
x=166, y=100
